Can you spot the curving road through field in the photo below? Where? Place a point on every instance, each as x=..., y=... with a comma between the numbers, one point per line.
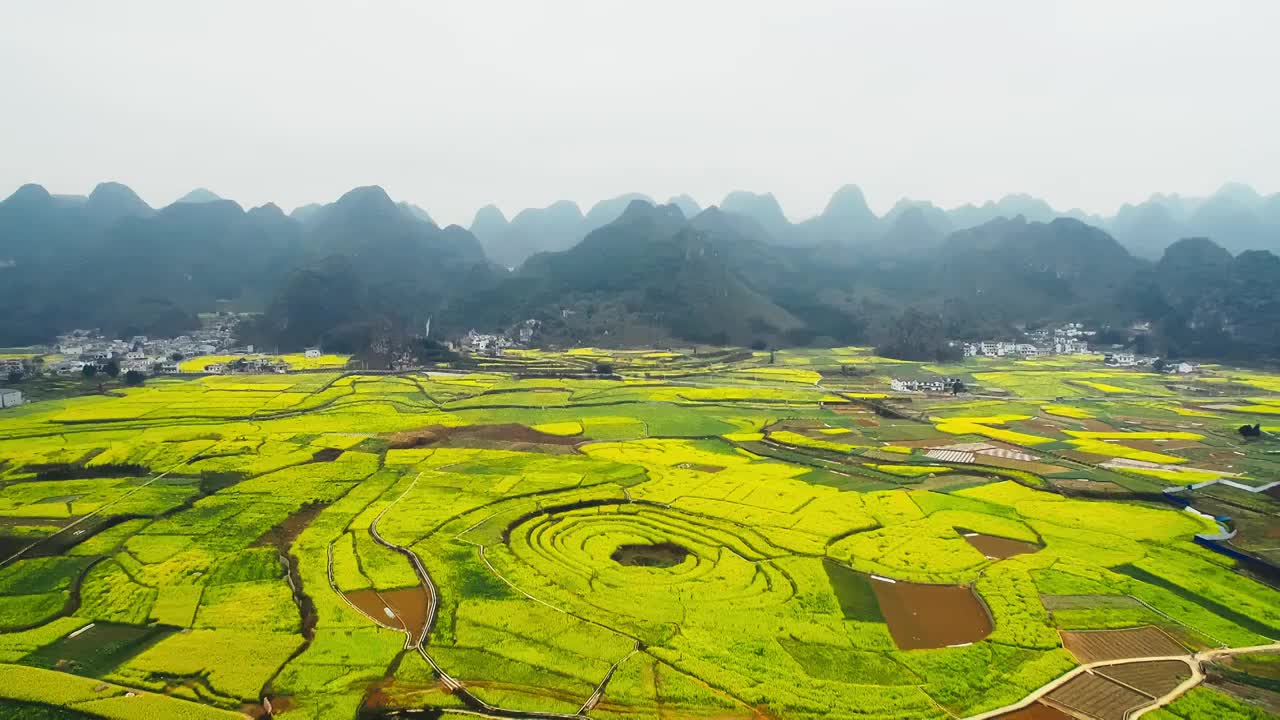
x=479, y=707
x=1192, y=661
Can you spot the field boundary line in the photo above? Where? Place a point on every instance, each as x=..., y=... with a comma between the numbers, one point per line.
x=1173, y=619
x=433, y=605
x=513, y=586
x=592, y=701
x=376, y=621
x=1192, y=660
x=68, y=526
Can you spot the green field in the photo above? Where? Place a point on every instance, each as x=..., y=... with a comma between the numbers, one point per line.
x=700, y=535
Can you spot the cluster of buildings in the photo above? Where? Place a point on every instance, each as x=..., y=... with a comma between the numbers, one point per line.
x=80, y=348
x=1125, y=359
x=934, y=385
x=248, y=365
x=1128, y=359
x=14, y=365
x=1068, y=339
x=83, y=348
x=493, y=345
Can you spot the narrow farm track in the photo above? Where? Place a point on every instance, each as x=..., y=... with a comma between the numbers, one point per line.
x=433, y=595
x=638, y=647
x=333, y=585
x=485, y=710
x=478, y=707
x=481, y=708
x=1192, y=661
x=578, y=660
x=600, y=689
x=95, y=513
x=599, y=693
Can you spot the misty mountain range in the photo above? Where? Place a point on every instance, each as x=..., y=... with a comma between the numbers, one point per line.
x=1236, y=216
x=630, y=271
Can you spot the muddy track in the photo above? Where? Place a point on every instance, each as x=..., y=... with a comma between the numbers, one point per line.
x=1192, y=661
x=477, y=705
x=594, y=700
x=99, y=511
x=638, y=641
x=433, y=595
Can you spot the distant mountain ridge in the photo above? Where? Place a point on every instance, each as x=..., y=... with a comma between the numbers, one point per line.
x=556, y=227
x=1236, y=216
x=651, y=272
x=366, y=266
x=114, y=262
x=199, y=196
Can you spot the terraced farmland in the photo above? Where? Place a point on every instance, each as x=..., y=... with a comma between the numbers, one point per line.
x=700, y=536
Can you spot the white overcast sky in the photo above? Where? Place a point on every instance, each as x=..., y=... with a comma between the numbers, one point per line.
x=453, y=105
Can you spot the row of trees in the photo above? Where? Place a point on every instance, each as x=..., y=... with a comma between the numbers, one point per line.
x=112, y=370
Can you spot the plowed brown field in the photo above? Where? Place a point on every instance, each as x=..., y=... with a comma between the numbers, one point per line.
x=1036, y=711
x=931, y=616
x=1141, y=642
x=1098, y=697
x=1152, y=678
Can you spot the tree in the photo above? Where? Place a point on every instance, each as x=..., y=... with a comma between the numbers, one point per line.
x=604, y=368
x=426, y=350
x=176, y=357
x=1159, y=365
x=15, y=377
x=326, y=302
x=916, y=335
x=134, y=377
x=90, y=370
x=957, y=387
x=112, y=368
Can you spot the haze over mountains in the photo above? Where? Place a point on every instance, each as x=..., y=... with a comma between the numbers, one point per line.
x=1236, y=216
x=630, y=270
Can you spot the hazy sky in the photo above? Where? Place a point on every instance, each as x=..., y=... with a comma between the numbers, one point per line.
x=452, y=105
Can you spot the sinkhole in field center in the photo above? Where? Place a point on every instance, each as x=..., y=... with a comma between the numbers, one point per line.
x=661, y=555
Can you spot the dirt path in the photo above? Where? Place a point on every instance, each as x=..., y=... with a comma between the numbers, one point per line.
x=478, y=706
x=1192, y=662
x=95, y=513
x=433, y=595
x=599, y=693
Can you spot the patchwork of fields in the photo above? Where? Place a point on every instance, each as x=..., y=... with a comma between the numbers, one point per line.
x=721, y=534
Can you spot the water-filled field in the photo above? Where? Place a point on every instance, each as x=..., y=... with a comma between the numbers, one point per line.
x=720, y=534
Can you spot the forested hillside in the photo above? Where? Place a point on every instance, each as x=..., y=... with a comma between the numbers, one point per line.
x=629, y=271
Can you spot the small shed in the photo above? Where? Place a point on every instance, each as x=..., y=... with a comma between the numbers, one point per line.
x=10, y=398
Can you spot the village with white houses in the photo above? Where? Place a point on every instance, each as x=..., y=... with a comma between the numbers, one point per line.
x=493, y=344
x=1068, y=339
x=1071, y=339
x=152, y=356
x=90, y=351
x=76, y=350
